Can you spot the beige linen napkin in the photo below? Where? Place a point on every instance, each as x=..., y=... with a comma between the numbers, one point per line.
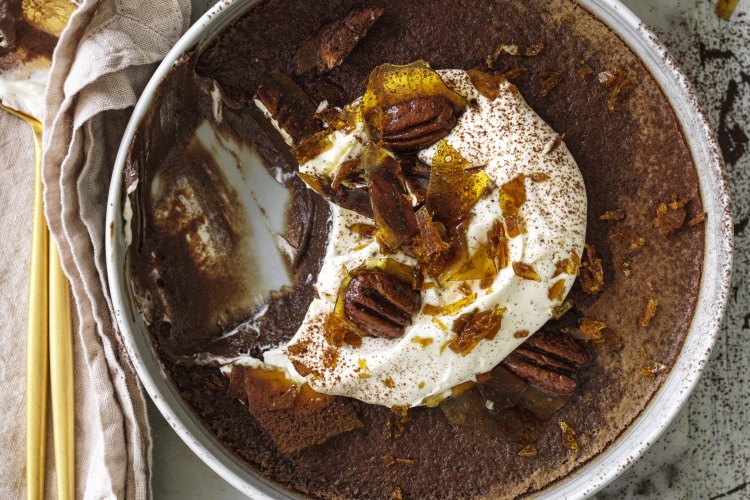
x=101, y=64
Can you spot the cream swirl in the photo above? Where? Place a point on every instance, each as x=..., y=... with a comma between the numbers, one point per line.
x=507, y=138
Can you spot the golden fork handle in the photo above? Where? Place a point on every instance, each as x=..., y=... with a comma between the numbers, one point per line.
x=36, y=334
x=61, y=375
x=49, y=345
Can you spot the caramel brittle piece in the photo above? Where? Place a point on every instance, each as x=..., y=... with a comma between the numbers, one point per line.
x=591, y=271
x=334, y=41
x=557, y=290
x=470, y=328
x=653, y=369
x=525, y=271
x=512, y=197
x=295, y=417
x=649, y=313
x=615, y=215
x=453, y=191
x=449, y=309
x=528, y=451
x=618, y=82
x=550, y=80
x=588, y=329
x=670, y=216
x=697, y=219
x=397, y=423
x=488, y=84
x=569, y=436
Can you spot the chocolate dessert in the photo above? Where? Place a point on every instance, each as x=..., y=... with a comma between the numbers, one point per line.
x=375, y=271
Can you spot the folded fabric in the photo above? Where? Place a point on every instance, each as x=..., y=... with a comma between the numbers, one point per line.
x=103, y=60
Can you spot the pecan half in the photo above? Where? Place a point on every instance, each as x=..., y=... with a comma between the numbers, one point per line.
x=548, y=361
x=415, y=124
x=289, y=105
x=335, y=41
x=380, y=304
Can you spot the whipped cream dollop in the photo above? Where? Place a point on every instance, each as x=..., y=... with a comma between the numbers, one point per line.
x=507, y=138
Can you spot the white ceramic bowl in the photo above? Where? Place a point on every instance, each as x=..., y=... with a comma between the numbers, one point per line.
x=599, y=471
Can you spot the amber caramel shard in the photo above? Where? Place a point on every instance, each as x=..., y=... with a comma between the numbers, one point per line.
x=488, y=84
x=430, y=235
x=498, y=245
x=397, y=495
x=528, y=451
x=550, y=80
x=423, y=341
x=453, y=191
x=513, y=195
x=557, y=290
x=440, y=324
x=514, y=50
x=521, y=334
x=588, y=329
x=334, y=41
x=397, y=422
x=391, y=87
x=525, y=271
x=569, y=437
x=591, y=272
x=615, y=215
x=698, y=219
x=560, y=310
x=725, y=8
x=651, y=370
x=364, y=230
x=449, y=309
x=649, y=313
x=618, y=82
x=670, y=216
x=295, y=417
x=470, y=328
x=393, y=213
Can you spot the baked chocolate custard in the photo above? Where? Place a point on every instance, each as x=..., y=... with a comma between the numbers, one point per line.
x=414, y=249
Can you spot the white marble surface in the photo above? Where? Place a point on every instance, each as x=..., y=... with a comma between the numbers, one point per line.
x=706, y=451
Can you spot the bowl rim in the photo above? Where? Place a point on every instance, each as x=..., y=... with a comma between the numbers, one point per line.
x=652, y=421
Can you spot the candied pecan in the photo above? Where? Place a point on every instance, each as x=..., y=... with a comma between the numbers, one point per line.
x=334, y=41
x=415, y=124
x=548, y=361
x=391, y=208
x=381, y=304
x=288, y=104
